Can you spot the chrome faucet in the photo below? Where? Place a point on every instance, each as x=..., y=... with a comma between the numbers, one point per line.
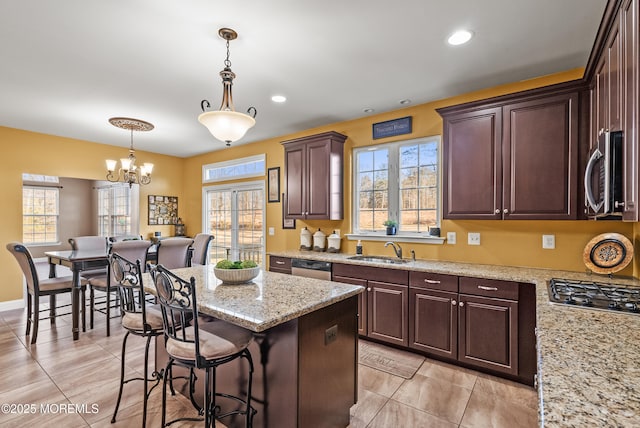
x=396, y=247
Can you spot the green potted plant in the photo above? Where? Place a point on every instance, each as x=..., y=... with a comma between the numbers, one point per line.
x=392, y=226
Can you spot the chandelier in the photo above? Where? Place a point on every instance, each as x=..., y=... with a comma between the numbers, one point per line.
x=226, y=124
x=128, y=171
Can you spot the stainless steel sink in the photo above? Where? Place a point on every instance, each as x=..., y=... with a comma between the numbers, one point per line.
x=379, y=259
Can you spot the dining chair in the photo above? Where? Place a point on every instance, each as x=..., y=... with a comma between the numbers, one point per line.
x=173, y=253
x=139, y=318
x=117, y=238
x=200, y=346
x=200, y=254
x=90, y=243
x=37, y=287
x=131, y=250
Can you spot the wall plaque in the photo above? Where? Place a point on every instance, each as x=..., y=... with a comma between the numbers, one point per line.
x=393, y=127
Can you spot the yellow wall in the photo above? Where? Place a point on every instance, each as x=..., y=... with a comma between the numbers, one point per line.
x=46, y=154
x=517, y=243
x=514, y=242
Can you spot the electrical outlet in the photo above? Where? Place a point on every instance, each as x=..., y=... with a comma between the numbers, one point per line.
x=272, y=231
x=473, y=238
x=451, y=238
x=549, y=242
x=330, y=334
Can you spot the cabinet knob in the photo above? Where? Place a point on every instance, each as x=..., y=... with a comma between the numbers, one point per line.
x=461, y=303
x=505, y=211
x=369, y=289
x=497, y=210
x=453, y=302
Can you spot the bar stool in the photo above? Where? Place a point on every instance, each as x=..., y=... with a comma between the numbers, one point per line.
x=138, y=318
x=204, y=346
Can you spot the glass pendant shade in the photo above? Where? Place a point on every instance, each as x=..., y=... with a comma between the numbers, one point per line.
x=111, y=164
x=226, y=125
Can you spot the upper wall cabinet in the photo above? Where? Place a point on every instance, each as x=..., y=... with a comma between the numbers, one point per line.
x=314, y=177
x=612, y=74
x=513, y=157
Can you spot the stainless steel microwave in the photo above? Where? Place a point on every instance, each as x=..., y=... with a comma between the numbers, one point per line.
x=603, y=176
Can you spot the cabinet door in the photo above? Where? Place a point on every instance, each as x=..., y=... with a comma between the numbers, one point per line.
x=433, y=325
x=362, y=301
x=614, y=78
x=472, y=173
x=319, y=169
x=388, y=312
x=630, y=61
x=295, y=167
x=488, y=333
x=540, y=155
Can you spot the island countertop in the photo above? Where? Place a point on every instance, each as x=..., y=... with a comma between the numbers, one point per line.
x=588, y=360
x=267, y=301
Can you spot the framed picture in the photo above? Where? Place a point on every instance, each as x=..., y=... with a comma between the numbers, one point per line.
x=162, y=209
x=287, y=223
x=273, y=184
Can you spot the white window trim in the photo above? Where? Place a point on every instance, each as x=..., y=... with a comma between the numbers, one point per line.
x=233, y=162
x=393, y=197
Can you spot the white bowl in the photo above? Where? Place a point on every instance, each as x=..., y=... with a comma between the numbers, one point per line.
x=236, y=276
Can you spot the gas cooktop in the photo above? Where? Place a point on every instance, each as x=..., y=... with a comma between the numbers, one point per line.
x=597, y=295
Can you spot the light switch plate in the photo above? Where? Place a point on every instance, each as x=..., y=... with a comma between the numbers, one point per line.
x=451, y=238
x=473, y=238
x=549, y=242
x=272, y=231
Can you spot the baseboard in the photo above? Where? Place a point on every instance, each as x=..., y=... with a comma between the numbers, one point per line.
x=11, y=305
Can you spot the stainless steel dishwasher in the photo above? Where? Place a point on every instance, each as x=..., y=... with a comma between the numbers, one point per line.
x=311, y=269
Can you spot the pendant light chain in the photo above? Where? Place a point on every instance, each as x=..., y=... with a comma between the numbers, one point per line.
x=227, y=62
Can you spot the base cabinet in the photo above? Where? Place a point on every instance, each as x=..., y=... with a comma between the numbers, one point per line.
x=383, y=309
x=470, y=320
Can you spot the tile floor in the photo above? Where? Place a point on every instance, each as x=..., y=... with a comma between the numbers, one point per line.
x=58, y=371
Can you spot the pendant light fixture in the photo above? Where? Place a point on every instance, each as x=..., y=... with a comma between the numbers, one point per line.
x=128, y=171
x=226, y=124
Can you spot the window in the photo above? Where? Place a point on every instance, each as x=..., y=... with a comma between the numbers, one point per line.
x=118, y=208
x=253, y=166
x=40, y=214
x=397, y=181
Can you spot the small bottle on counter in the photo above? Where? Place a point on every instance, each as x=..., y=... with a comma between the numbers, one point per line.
x=359, y=247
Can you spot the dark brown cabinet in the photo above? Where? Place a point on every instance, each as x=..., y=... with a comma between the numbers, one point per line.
x=474, y=321
x=503, y=155
x=384, y=306
x=314, y=177
x=280, y=264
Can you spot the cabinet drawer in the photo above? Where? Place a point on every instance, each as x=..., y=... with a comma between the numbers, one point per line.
x=392, y=276
x=489, y=288
x=433, y=281
x=279, y=264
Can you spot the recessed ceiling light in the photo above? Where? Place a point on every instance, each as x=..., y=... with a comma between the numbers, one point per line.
x=405, y=101
x=278, y=98
x=368, y=110
x=460, y=37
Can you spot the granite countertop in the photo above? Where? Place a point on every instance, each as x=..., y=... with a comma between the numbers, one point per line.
x=588, y=359
x=269, y=300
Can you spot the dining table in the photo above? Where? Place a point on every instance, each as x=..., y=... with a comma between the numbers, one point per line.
x=78, y=261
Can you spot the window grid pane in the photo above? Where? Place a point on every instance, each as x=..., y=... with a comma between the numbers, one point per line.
x=373, y=187
x=40, y=214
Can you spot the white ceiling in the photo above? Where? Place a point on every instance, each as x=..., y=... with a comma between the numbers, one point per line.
x=69, y=65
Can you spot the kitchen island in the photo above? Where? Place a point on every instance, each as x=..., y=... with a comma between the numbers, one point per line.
x=305, y=347
x=588, y=360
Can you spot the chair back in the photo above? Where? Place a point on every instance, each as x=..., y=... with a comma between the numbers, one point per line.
x=128, y=276
x=23, y=256
x=88, y=243
x=179, y=307
x=174, y=253
x=129, y=250
x=201, y=249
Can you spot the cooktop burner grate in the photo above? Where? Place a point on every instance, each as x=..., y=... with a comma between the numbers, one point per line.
x=596, y=295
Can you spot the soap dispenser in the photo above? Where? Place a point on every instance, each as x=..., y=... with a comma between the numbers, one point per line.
x=359, y=248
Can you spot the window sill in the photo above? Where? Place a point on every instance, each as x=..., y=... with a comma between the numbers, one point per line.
x=434, y=240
